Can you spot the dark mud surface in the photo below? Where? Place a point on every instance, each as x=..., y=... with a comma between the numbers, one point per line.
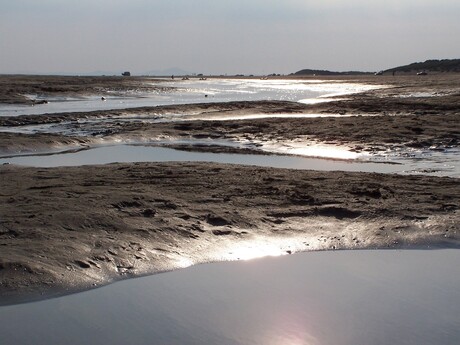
x=65, y=229
x=30, y=90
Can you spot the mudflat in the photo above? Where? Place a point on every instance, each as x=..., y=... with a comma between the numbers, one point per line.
x=24, y=89
x=406, y=111
x=64, y=229
x=70, y=228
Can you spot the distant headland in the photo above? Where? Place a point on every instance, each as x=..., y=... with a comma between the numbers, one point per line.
x=318, y=72
x=429, y=66
x=445, y=66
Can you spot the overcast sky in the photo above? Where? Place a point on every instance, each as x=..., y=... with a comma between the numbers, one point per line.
x=224, y=36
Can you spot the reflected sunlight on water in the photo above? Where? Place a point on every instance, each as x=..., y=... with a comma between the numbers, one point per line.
x=343, y=297
x=288, y=330
x=312, y=149
x=324, y=151
x=193, y=91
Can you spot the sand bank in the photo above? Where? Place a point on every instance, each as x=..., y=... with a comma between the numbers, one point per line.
x=64, y=229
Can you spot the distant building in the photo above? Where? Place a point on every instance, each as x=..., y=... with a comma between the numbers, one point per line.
x=126, y=74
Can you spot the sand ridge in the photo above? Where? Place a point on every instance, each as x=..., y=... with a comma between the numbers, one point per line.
x=64, y=229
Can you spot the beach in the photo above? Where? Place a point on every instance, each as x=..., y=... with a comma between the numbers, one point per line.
x=67, y=229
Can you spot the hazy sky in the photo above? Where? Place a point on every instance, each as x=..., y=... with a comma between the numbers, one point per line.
x=224, y=36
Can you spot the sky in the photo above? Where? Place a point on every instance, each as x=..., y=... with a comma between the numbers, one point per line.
x=224, y=36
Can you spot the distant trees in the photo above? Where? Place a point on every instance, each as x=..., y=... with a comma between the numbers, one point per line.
x=446, y=65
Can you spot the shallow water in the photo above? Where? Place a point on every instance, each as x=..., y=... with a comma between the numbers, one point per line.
x=195, y=91
x=435, y=166
x=140, y=153
x=443, y=162
x=346, y=297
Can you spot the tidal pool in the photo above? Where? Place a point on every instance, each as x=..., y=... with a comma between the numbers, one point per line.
x=343, y=297
x=141, y=153
x=436, y=165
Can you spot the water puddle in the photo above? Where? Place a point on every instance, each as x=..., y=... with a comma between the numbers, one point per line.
x=141, y=153
x=346, y=297
x=287, y=156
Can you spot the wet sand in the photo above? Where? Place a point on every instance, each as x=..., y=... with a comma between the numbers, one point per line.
x=67, y=229
x=30, y=89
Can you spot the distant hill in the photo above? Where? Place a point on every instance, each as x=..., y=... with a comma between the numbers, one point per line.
x=445, y=65
x=325, y=72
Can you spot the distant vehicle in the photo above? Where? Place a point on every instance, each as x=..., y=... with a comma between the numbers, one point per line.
x=126, y=74
x=422, y=73
x=378, y=73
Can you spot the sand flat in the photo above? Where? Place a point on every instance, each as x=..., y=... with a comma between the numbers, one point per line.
x=68, y=228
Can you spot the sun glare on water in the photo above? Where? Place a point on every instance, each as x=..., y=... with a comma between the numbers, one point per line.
x=324, y=151
x=312, y=149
